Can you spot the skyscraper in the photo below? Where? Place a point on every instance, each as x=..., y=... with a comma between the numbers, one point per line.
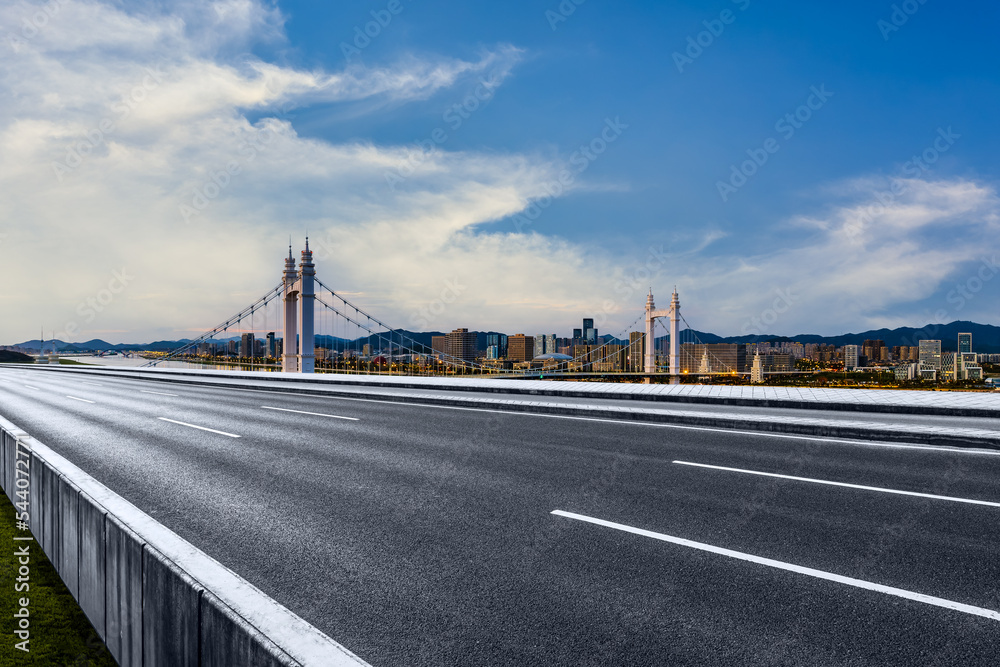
x=462, y=344
x=713, y=358
x=637, y=347
x=499, y=341
x=246, y=345
x=439, y=344
x=589, y=332
x=930, y=354
x=520, y=348
x=850, y=357
x=964, y=342
x=872, y=350
x=540, y=344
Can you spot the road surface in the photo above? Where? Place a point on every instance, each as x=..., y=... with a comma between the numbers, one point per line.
x=424, y=535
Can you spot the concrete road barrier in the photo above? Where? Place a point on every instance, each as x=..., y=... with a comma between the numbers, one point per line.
x=153, y=597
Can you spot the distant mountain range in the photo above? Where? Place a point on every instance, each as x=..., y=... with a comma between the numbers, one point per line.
x=985, y=338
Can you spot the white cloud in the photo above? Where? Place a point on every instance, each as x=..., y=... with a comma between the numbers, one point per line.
x=114, y=122
x=892, y=248
x=153, y=105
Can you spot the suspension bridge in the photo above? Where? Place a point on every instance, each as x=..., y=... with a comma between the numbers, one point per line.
x=301, y=325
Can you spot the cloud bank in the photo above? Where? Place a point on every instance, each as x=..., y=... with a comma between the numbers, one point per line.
x=129, y=143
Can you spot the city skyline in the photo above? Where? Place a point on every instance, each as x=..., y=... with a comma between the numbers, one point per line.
x=155, y=168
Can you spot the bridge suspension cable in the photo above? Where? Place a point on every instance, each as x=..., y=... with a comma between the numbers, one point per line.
x=238, y=317
x=699, y=341
x=415, y=346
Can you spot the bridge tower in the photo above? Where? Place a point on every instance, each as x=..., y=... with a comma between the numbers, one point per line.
x=299, y=341
x=674, y=313
x=289, y=355
x=307, y=310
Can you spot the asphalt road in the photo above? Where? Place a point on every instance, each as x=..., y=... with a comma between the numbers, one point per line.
x=421, y=535
x=943, y=422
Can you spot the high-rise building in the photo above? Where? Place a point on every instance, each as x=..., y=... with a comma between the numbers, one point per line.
x=721, y=358
x=850, y=357
x=462, y=344
x=246, y=345
x=540, y=344
x=872, y=350
x=636, y=351
x=608, y=358
x=964, y=342
x=578, y=333
x=271, y=349
x=520, y=348
x=439, y=344
x=589, y=332
x=930, y=354
x=499, y=341
x=549, y=345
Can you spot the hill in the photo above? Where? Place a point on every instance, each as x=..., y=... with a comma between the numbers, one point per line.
x=11, y=357
x=985, y=338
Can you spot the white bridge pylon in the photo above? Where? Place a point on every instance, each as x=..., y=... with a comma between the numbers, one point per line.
x=674, y=313
x=299, y=355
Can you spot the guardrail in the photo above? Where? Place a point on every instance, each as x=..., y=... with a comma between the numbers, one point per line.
x=153, y=597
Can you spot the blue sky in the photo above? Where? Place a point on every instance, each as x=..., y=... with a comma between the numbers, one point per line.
x=835, y=215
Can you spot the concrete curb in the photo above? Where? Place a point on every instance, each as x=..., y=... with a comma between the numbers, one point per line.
x=153, y=597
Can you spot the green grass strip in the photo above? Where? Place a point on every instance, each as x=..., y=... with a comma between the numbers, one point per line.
x=61, y=635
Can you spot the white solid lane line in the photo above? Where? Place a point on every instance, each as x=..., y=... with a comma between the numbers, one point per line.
x=83, y=400
x=98, y=384
x=808, y=571
x=200, y=428
x=315, y=414
x=30, y=387
x=843, y=484
x=158, y=393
